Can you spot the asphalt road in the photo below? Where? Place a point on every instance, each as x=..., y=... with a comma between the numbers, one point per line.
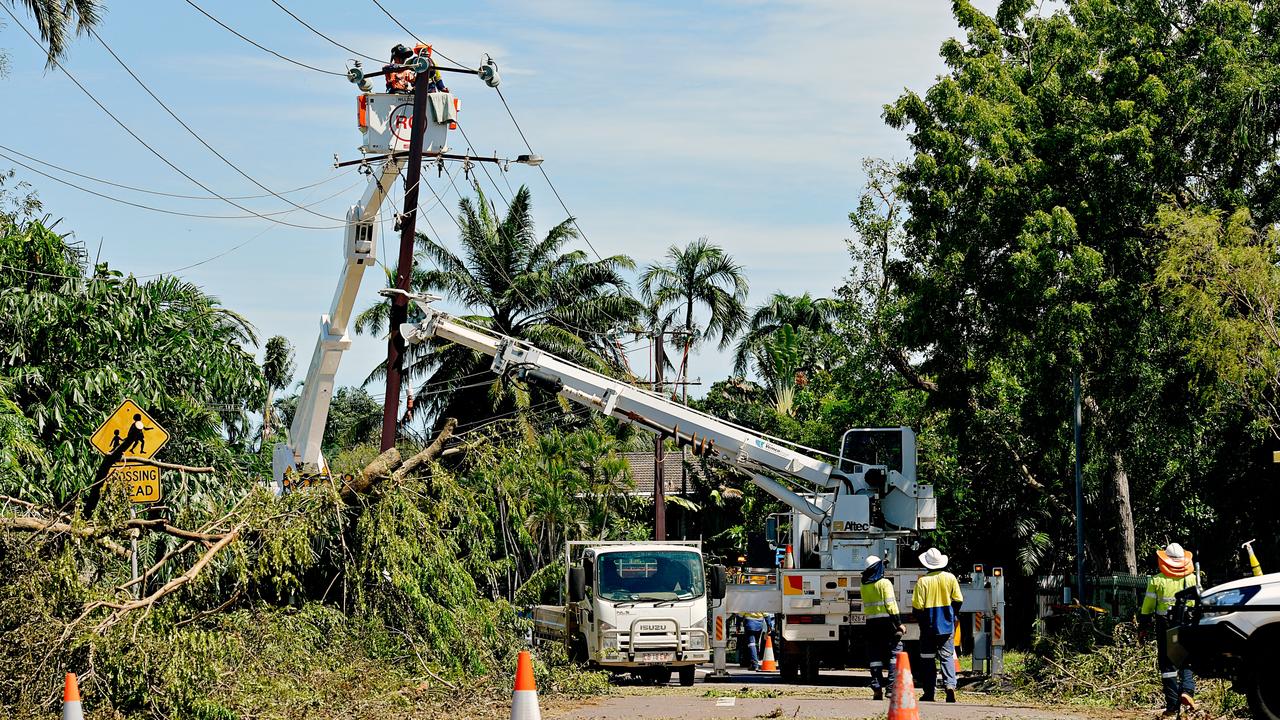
x=841, y=695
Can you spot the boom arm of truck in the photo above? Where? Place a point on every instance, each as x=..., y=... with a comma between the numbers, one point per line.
x=704, y=434
x=302, y=451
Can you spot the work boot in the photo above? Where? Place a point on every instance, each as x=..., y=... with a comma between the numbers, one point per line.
x=877, y=694
x=927, y=697
x=951, y=695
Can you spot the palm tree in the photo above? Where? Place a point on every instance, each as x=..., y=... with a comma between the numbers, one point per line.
x=699, y=275
x=802, y=312
x=277, y=371
x=514, y=283
x=56, y=18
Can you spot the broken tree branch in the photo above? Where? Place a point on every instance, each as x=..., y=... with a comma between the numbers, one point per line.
x=173, y=466
x=40, y=525
x=428, y=454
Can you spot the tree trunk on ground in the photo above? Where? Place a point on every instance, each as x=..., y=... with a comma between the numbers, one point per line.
x=1124, y=544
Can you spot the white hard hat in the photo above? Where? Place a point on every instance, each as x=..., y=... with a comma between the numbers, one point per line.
x=871, y=560
x=1174, y=551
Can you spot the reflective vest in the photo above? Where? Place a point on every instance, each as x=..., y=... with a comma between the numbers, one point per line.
x=1160, y=591
x=932, y=598
x=878, y=599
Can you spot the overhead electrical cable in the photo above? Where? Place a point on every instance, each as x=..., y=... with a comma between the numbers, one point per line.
x=196, y=135
x=545, y=176
x=261, y=47
x=331, y=41
x=152, y=208
x=159, y=193
x=144, y=143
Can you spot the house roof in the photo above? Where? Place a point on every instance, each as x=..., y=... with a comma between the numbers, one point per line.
x=642, y=467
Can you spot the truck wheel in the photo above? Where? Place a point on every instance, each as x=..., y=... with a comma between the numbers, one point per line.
x=811, y=665
x=1263, y=696
x=660, y=675
x=687, y=675
x=787, y=669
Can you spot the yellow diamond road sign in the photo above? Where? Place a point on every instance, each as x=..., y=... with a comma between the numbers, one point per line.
x=131, y=428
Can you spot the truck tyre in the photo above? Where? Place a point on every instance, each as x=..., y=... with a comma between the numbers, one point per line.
x=810, y=666
x=1264, y=697
x=662, y=675
x=578, y=650
x=687, y=675
x=787, y=668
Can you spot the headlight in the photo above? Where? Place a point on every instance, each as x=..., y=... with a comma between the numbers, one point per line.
x=1228, y=598
x=605, y=626
x=697, y=641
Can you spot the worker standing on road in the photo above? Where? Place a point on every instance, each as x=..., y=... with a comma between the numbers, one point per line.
x=1176, y=574
x=936, y=604
x=752, y=626
x=884, y=625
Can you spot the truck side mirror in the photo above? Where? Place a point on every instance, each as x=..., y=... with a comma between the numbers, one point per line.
x=577, y=584
x=771, y=530
x=718, y=582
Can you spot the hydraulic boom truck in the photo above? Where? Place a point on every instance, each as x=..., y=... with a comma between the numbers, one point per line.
x=867, y=503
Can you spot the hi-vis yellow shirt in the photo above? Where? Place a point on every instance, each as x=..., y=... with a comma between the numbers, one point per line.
x=932, y=600
x=1161, y=590
x=878, y=600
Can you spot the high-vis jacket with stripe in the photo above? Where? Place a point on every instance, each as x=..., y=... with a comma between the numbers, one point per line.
x=936, y=601
x=1161, y=590
x=878, y=600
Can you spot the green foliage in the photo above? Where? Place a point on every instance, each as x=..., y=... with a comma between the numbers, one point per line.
x=75, y=345
x=517, y=284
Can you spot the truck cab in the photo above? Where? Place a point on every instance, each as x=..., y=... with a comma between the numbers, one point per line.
x=635, y=607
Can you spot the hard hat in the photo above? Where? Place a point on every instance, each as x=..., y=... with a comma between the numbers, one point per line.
x=871, y=561
x=400, y=51
x=1174, y=551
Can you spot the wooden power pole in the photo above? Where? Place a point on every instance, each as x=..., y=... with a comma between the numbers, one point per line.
x=400, y=303
x=659, y=462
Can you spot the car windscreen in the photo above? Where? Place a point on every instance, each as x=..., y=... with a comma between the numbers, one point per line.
x=642, y=575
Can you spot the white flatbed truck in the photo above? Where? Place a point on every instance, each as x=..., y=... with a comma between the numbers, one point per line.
x=634, y=607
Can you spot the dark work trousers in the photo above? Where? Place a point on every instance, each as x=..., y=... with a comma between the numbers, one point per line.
x=1174, y=681
x=883, y=645
x=936, y=648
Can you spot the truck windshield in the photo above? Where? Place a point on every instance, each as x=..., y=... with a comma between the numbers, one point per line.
x=650, y=575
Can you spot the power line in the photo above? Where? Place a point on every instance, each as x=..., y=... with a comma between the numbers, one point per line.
x=545, y=176
x=159, y=193
x=152, y=208
x=196, y=135
x=308, y=26
x=413, y=35
x=138, y=138
x=233, y=31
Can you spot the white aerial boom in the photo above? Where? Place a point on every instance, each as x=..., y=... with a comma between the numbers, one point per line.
x=837, y=505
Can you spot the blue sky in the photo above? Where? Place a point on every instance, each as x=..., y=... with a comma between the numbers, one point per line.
x=744, y=121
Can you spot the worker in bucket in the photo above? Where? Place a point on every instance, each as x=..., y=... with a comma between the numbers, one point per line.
x=1177, y=573
x=936, y=603
x=884, y=625
x=399, y=81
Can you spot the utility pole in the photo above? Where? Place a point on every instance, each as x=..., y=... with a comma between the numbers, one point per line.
x=659, y=462
x=400, y=303
x=1075, y=424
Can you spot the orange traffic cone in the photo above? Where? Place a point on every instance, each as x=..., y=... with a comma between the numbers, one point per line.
x=903, y=704
x=524, y=699
x=769, y=663
x=71, y=709
x=789, y=561
x=955, y=657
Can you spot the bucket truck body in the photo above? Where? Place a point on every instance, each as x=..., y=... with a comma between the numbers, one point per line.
x=868, y=503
